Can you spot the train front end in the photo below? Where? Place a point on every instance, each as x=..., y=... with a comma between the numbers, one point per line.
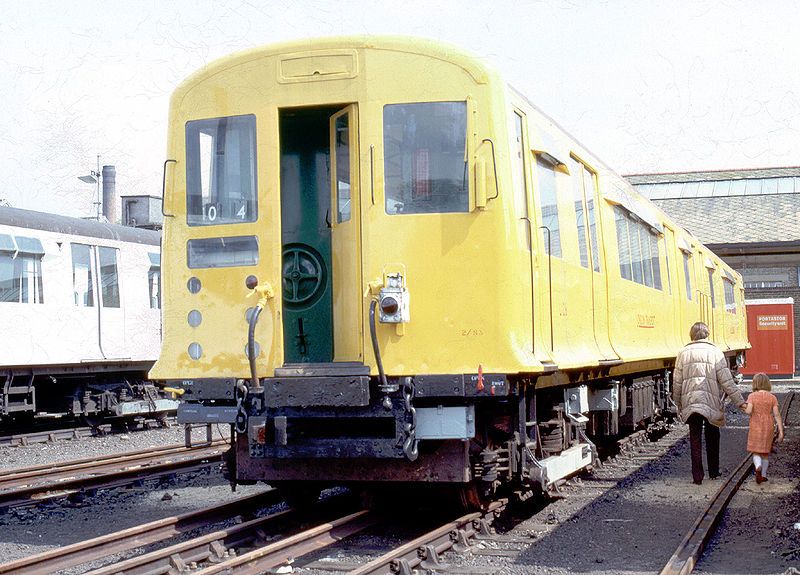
x=329, y=199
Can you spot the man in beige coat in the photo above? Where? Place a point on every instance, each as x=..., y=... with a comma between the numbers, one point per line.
x=700, y=382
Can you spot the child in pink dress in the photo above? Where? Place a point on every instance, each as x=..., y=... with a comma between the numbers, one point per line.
x=762, y=407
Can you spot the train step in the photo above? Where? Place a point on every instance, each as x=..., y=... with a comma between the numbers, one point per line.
x=339, y=368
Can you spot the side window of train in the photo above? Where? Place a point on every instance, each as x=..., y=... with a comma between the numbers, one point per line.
x=687, y=274
x=109, y=276
x=21, y=269
x=583, y=194
x=154, y=280
x=638, y=247
x=82, y=279
x=424, y=149
x=221, y=171
x=730, y=298
x=551, y=232
x=711, y=287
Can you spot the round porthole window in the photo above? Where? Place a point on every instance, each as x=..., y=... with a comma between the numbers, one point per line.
x=195, y=351
x=194, y=285
x=195, y=318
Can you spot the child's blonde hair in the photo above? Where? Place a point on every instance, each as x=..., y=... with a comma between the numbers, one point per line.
x=761, y=382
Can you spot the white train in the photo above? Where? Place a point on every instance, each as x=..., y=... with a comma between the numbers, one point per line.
x=80, y=308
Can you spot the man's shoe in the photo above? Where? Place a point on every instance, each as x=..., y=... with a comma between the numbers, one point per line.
x=697, y=481
x=717, y=476
x=759, y=478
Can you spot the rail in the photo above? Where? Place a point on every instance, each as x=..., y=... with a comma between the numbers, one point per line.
x=685, y=558
x=135, y=537
x=33, y=484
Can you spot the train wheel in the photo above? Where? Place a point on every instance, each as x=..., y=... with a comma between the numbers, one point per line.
x=473, y=497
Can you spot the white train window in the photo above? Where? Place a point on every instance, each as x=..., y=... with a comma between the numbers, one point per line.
x=154, y=280
x=109, y=277
x=82, y=280
x=20, y=277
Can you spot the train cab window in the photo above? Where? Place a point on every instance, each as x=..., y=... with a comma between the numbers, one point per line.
x=109, y=277
x=546, y=177
x=687, y=277
x=425, y=168
x=82, y=281
x=21, y=270
x=154, y=280
x=221, y=171
x=342, y=152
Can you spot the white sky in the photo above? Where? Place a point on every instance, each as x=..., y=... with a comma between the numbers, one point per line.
x=648, y=86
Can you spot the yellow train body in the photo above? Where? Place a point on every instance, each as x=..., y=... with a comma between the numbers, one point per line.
x=543, y=265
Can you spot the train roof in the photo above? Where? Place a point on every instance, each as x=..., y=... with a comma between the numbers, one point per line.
x=76, y=226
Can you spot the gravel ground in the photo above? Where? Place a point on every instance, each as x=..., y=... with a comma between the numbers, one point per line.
x=630, y=528
x=29, y=530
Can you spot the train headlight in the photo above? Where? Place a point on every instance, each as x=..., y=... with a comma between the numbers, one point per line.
x=393, y=300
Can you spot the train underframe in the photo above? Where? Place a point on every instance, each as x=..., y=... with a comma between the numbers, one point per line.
x=91, y=392
x=488, y=434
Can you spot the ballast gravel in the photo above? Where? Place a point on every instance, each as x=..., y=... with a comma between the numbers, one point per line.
x=29, y=530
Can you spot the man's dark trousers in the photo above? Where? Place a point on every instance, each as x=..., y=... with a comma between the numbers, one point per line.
x=696, y=424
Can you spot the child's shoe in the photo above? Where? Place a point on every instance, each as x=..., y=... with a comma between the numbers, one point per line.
x=759, y=478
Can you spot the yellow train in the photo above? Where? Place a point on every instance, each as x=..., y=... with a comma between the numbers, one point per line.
x=383, y=264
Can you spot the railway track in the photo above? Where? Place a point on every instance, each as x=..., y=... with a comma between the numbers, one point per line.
x=31, y=485
x=52, y=435
x=691, y=547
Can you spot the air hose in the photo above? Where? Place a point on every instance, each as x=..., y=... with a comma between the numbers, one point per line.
x=375, y=349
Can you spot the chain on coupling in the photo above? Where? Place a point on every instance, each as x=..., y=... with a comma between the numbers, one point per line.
x=240, y=393
x=410, y=441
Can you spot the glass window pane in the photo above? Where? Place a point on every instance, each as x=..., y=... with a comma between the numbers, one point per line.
x=28, y=268
x=711, y=287
x=705, y=189
x=623, y=243
x=636, y=252
x=222, y=252
x=687, y=276
x=722, y=188
x=752, y=187
x=154, y=284
x=576, y=169
x=730, y=300
x=738, y=187
x=9, y=282
x=425, y=169
x=342, y=152
x=221, y=170
x=588, y=186
x=785, y=185
x=82, y=282
x=551, y=234
x=769, y=186
x=109, y=279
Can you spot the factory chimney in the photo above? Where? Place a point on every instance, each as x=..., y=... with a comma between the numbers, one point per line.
x=110, y=194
